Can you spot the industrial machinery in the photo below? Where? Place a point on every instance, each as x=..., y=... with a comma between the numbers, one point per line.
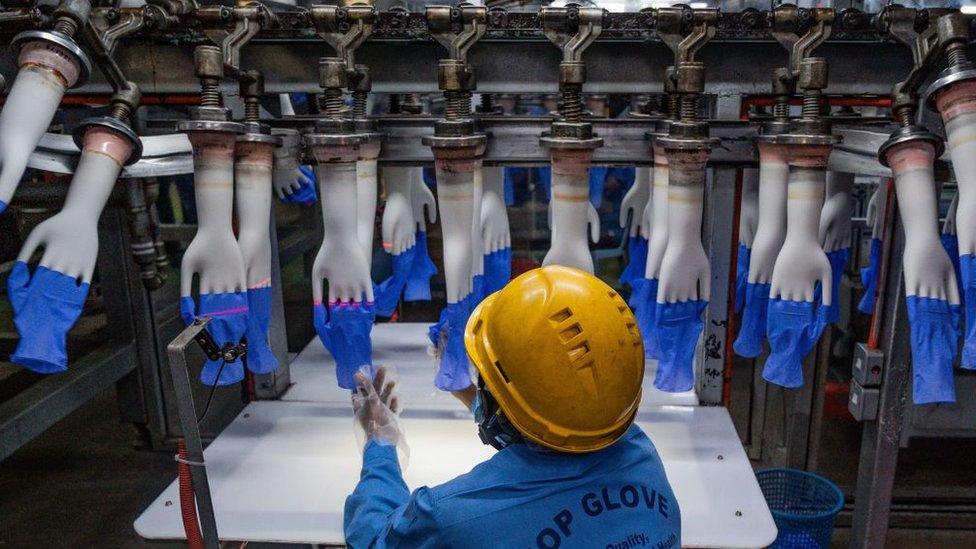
x=765, y=179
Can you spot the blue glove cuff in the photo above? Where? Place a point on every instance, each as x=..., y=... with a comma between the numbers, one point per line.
x=643, y=301
x=838, y=261
x=636, y=259
x=793, y=328
x=344, y=329
x=967, y=264
x=752, y=333
x=417, y=287
x=260, y=359
x=869, y=278
x=498, y=270
x=387, y=293
x=46, y=306
x=448, y=337
x=934, y=328
x=679, y=325
x=741, y=276
x=950, y=243
x=229, y=314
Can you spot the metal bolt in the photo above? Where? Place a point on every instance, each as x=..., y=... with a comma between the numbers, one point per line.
x=208, y=65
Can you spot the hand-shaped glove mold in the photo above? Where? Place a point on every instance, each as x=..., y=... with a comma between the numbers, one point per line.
x=495, y=232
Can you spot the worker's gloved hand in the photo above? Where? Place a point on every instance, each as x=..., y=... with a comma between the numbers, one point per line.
x=934, y=327
x=229, y=312
x=344, y=329
x=950, y=243
x=305, y=192
x=376, y=406
x=643, y=301
x=869, y=278
x=967, y=264
x=793, y=328
x=260, y=358
x=679, y=325
x=45, y=307
x=498, y=270
x=447, y=337
x=749, y=342
x=838, y=261
x=741, y=276
x=417, y=286
x=636, y=260
x=387, y=293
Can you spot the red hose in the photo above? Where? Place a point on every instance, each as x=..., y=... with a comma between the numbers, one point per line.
x=188, y=503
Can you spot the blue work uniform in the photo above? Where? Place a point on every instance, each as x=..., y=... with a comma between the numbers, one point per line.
x=618, y=497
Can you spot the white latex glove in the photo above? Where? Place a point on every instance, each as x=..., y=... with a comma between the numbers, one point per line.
x=876, y=209
x=801, y=262
x=366, y=189
x=455, y=193
x=422, y=200
x=961, y=133
x=213, y=254
x=835, y=218
x=287, y=109
x=398, y=223
x=376, y=407
x=949, y=227
x=685, y=272
x=70, y=238
x=771, y=224
x=340, y=258
x=29, y=108
x=749, y=210
x=495, y=231
x=656, y=214
x=927, y=269
x=570, y=212
x=287, y=178
x=635, y=202
x=252, y=182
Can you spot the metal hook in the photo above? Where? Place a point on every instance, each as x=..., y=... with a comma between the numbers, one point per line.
x=129, y=23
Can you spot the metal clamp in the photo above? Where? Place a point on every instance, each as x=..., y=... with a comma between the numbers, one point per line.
x=129, y=22
x=344, y=28
x=784, y=26
x=572, y=29
x=901, y=24
x=248, y=19
x=457, y=28
x=685, y=31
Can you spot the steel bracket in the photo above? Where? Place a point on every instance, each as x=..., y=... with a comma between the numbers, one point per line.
x=572, y=28
x=457, y=28
x=344, y=28
x=903, y=25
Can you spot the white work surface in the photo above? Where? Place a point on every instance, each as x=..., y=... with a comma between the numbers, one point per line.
x=281, y=470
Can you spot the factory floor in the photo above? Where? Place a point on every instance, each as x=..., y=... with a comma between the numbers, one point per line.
x=83, y=482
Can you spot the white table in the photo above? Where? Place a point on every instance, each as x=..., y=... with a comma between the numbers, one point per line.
x=281, y=470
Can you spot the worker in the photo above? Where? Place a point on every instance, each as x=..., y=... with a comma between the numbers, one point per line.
x=560, y=365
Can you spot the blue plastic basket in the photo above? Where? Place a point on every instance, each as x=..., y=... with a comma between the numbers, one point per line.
x=804, y=507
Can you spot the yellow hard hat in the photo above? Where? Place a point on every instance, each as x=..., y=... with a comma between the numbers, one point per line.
x=560, y=352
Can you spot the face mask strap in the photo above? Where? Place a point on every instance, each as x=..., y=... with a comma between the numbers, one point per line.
x=493, y=428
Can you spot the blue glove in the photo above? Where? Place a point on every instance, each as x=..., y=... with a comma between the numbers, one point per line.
x=429, y=175
x=967, y=264
x=511, y=176
x=643, y=301
x=793, y=328
x=344, y=329
x=543, y=178
x=752, y=333
x=598, y=178
x=229, y=325
x=447, y=336
x=498, y=270
x=951, y=244
x=477, y=290
x=741, y=276
x=260, y=359
x=636, y=260
x=305, y=194
x=45, y=306
x=387, y=293
x=679, y=326
x=869, y=278
x=3, y=206
x=625, y=175
x=417, y=286
x=298, y=99
x=838, y=260
x=935, y=335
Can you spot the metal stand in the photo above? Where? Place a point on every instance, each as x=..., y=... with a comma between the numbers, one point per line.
x=176, y=351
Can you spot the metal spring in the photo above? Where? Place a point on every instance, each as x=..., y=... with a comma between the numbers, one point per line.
x=689, y=107
x=457, y=105
x=957, y=55
x=120, y=111
x=781, y=110
x=465, y=103
x=674, y=105
x=331, y=102
x=252, y=109
x=209, y=93
x=359, y=104
x=905, y=116
x=486, y=102
x=811, y=103
x=572, y=105
x=66, y=26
